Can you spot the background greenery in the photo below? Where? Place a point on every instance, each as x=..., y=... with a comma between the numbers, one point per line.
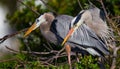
x=23, y=17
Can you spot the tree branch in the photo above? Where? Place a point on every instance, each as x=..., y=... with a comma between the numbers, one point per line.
x=37, y=53
x=29, y=7
x=113, y=66
x=11, y=35
x=48, y=7
x=80, y=4
x=7, y=60
x=116, y=17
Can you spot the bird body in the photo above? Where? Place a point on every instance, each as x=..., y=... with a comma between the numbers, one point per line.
x=87, y=36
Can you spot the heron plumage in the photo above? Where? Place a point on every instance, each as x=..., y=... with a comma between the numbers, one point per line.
x=83, y=36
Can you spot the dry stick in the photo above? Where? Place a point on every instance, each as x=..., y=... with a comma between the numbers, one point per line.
x=49, y=45
x=46, y=47
x=7, y=60
x=29, y=7
x=57, y=55
x=48, y=7
x=11, y=35
x=38, y=53
x=104, y=10
x=17, y=66
x=115, y=17
x=113, y=66
x=48, y=64
x=80, y=4
x=47, y=60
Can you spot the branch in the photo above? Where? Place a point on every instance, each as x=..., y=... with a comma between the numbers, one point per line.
x=48, y=7
x=80, y=4
x=117, y=17
x=113, y=66
x=104, y=10
x=11, y=35
x=37, y=53
x=47, y=47
x=7, y=60
x=29, y=7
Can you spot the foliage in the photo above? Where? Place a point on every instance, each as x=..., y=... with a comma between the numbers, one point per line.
x=24, y=17
x=87, y=62
x=27, y=61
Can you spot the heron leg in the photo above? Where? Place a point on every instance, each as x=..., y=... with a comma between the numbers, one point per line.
x=68, y=50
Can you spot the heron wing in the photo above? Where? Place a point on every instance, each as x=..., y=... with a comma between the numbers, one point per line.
x=88, y=39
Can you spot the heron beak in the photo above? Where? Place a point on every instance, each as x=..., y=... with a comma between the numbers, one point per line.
x=30, y=29
x=68, y=35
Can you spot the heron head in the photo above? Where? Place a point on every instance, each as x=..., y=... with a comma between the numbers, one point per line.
x=37, y=23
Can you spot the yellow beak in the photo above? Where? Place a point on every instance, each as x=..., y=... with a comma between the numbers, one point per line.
x=30, y=30
x=68, y=35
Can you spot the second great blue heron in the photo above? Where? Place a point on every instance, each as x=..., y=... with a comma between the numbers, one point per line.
x=90, y=31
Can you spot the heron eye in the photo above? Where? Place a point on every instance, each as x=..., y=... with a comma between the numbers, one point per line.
x=37, y=20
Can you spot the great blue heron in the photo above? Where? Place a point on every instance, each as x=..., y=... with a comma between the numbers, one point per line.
x=90, y=31
x=51, y=26
x=85, y=37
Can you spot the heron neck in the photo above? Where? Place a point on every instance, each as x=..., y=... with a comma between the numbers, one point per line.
x=46, y=25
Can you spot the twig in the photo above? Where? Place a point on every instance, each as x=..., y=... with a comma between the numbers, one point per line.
x=46, y=47
x=7, y=60
x=57, y=55
x=49, y=45
x=11, y=35
x=38, y=53
x=115, y=17
x=29, y=7
x=48, y=64
x=60, y=51
x=48, y=7
x=104, y=10
x=80, y=4
x=113, y=66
